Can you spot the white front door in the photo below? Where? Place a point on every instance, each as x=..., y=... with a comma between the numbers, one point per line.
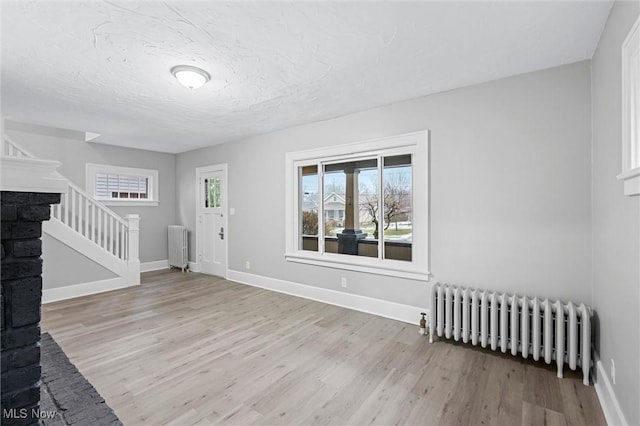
x=211, y=226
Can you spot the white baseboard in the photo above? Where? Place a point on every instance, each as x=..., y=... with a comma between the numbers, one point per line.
x=383, y=308
x=193, y=267
x=607, y=397
x=154, y=266
x=85, y=289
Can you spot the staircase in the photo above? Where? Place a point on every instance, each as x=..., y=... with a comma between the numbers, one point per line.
x=90, y=228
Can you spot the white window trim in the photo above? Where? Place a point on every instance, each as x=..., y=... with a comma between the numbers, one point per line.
x=418, y=267
x=92, y=169
x=630, y=113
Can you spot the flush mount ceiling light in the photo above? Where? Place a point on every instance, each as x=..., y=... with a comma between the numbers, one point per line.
x=190, y=77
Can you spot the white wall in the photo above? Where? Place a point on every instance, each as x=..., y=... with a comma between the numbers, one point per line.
x=616, y=221
x=62, y=266
x=510, y=188
x=74, y=153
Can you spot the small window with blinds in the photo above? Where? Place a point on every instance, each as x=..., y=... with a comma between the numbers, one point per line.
x=122, y=185
x=112, y=186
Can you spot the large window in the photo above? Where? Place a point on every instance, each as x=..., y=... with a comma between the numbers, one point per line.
x=631, y=111
x=124, y=186
x=355, y=206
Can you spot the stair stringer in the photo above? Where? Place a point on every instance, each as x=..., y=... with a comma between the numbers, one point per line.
x=61, y=232
x=127, y=270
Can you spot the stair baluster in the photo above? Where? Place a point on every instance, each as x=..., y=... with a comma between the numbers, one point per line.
x=94, y=222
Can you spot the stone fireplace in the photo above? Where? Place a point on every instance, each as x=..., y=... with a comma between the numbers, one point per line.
x=21, y=295
x=28, y=189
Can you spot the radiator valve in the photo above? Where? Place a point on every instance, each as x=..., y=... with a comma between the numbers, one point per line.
x=423, y=324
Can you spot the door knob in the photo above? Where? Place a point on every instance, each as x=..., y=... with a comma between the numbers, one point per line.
x=221, y=233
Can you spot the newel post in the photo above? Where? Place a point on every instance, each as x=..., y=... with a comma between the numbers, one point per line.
x=133, y=243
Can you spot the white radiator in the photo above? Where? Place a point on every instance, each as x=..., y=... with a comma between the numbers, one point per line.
x=543, y=329
x=178, y=255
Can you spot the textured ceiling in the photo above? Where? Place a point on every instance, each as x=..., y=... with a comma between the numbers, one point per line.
x=104, y=66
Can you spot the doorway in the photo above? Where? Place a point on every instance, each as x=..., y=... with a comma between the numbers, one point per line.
x=211, y=220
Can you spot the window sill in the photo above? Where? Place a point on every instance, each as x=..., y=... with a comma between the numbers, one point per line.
x=631, y=179
x=388, y=268
x=129, y=203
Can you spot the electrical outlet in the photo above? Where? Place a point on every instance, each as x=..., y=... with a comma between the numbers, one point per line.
x=343, y=282
x=613, y=371
x=247, y=265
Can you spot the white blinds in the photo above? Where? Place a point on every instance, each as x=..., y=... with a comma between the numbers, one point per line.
x=114, y=186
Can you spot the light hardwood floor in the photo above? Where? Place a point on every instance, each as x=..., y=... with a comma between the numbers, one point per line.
x=188, y=349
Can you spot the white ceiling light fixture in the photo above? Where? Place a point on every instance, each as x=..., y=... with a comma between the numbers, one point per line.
x=190, y=77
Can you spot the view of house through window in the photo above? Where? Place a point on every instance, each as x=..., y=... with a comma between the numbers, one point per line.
x=360, y=207
x=397, y=214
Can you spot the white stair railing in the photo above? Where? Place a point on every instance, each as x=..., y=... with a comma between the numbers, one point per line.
x=11, y=149
x=93, y=220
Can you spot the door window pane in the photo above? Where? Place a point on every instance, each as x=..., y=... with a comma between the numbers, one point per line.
x=206, y=192
x=214, y=192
